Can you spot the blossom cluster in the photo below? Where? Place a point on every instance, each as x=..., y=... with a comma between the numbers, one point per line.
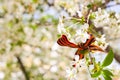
x=80, y=36
x=78, y=32
x=28, y=31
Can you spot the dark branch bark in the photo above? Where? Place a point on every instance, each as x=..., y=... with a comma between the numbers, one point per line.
x=22, y=68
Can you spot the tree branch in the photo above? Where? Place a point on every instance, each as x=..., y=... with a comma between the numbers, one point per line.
x=22, y=68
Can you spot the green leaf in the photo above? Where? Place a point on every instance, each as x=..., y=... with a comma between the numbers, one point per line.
x=83, y=51
x=107, y=72
x=99, y=78
x=10, y=24
x=81, y=20
x=108, y=59
x=34, y=27
x=92, y=16
x=96, y=74
x=58, y=35
x=106, y=76
x=90, y=6
x=34, y=1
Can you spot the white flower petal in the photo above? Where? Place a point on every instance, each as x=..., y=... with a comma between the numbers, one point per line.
x=74, y=71
x=81, y=36
x=68, y=70
x=76, y=57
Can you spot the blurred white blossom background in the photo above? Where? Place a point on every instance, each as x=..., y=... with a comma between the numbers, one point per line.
x=29, y=32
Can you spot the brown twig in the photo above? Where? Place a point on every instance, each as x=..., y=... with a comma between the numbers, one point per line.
x=22, y=68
